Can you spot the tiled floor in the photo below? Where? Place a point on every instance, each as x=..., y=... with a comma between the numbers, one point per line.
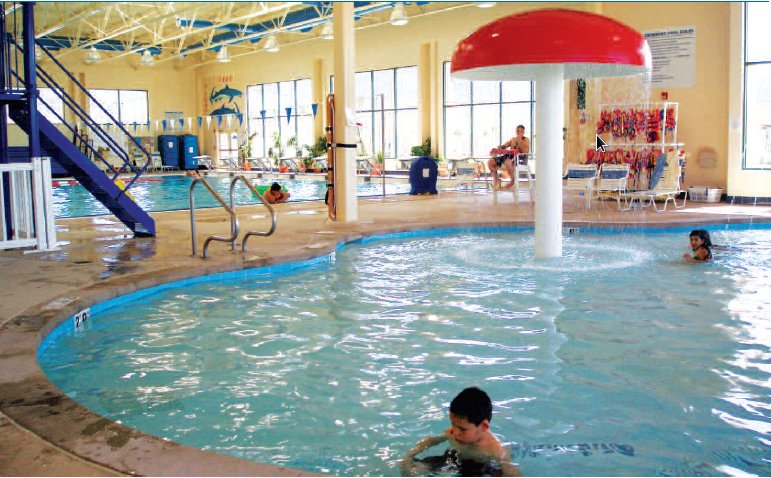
x=42, y=432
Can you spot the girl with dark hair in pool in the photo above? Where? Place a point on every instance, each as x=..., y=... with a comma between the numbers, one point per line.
x=701, y=245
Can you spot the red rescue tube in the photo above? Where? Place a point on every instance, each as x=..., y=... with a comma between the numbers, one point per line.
x=331, y=207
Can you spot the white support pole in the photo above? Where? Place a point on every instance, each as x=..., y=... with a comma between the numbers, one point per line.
x=48, y=202
x=39, y=209
x=549, y=112
x=345, y=112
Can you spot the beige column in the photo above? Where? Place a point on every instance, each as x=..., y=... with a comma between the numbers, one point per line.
x=429, y=104
x=319, y=97
x=345, y=110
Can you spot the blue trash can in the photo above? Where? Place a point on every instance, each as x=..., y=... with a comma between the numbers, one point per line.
x=168, y=146
x=423, y=176
x=188, y=150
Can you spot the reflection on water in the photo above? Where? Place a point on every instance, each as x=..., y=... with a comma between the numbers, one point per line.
x=617, y=359
x=170, y=193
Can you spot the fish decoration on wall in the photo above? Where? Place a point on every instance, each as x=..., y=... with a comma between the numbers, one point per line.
x=226, y=100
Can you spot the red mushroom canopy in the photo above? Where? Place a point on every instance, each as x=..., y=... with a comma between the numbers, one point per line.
x=588, y=45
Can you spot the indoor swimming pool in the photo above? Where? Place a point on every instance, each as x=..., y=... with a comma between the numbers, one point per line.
x=170, y=193
x=617, y=359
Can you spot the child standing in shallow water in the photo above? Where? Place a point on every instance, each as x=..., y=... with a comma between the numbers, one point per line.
x=701, y=245
x=473, y=450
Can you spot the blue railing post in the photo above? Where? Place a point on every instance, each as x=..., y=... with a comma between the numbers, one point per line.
x=30, y=76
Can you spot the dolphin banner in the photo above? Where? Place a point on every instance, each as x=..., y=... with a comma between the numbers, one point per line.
x=223, y=97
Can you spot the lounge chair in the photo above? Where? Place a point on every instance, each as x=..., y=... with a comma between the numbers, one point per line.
x=261, y=164
x=581, y=178
x=664, y=184
x=289, y=163
x=611, y=182
x=465, y=171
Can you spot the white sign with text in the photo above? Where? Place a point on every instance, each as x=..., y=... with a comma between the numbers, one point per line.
x=674, y=57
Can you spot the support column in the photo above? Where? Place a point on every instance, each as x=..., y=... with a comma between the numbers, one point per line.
x=30, y=76
x=345, y=109
x=319, y=97
x=549, y=118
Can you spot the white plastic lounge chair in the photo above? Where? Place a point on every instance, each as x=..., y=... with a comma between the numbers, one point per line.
x=581, y=178
x=665, y=184
x=611, y=182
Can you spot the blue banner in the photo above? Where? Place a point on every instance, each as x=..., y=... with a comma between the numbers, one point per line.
x=315, y=109
x=262, y=113
x=219, y=121
x=163, y=123
x=240, y=117
x=288, y=114
x=200, y=121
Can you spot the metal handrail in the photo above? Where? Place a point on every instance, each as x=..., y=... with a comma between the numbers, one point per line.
x=273, y=217
x=233, y=218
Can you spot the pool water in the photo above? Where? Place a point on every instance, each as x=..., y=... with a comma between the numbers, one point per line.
x=618, y=359
x=170, y=193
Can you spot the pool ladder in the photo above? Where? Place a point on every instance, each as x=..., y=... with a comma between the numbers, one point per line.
x=231, y=210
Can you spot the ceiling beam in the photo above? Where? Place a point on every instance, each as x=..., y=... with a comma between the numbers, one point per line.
x=265, y=10
x=71, y=20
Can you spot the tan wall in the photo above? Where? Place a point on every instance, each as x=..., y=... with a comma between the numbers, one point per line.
x=703, y=109
x=168, y=89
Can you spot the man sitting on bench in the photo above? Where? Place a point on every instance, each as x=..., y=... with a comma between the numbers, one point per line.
x=519, y=147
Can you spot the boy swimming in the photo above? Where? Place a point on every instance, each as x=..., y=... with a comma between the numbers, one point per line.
x=473, y=450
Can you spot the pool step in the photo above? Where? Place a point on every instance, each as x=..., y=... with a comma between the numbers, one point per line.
x=54, y=143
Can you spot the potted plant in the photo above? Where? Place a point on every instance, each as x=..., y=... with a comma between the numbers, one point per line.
x=309, y=164
x=276, y=150
x=319, y=148
x=245, y=152
x=424, y=150
x=380, y=162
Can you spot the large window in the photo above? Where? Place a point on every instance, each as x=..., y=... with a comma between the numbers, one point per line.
x=757, y=88
x=126, y=106
x=396, y=89
x=278, y=112
x=480, y=115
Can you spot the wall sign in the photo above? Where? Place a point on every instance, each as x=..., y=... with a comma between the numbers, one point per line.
x=674, y=57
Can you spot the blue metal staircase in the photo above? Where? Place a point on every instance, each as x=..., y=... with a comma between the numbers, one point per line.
x=18, y=90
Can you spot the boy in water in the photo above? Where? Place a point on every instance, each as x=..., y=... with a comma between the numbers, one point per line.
x=473, y=450
x=275, y=194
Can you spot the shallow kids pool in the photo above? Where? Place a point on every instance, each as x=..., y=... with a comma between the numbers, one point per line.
x=616, y=359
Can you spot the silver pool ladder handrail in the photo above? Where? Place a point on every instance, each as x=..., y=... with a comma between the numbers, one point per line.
x=273, y=216
x=233, y=218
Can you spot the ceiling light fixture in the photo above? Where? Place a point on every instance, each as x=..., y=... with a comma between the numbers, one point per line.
x=147, y=59
x=398, y=17
x=327, y=32
x=485, y=4
x=38, y=53
x=271, y=44
x=222, y=55
x=93, y=55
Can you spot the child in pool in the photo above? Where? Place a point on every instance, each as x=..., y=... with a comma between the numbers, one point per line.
x=473, y=450
x=701, y=244
x=275, y=194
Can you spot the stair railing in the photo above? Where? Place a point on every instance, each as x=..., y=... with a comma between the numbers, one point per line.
x=69, y=127
x=79, y=112
x=233, y=219
x=273, y=217
x=87, y=120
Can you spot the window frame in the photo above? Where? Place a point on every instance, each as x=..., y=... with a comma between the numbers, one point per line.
x=267, y=142
x=119, y=90
x=745, y=70
x=374, y=109
x=500, y=103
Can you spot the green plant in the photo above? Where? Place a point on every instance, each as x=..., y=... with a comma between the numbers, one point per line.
x=245, y=148
x=319, y=148
x=380, y=157
x=308, y=162
x=276, y=150
x=424, y=150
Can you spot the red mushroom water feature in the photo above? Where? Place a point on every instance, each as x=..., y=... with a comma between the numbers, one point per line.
x=549, y=46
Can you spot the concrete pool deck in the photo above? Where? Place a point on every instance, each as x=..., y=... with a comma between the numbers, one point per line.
x=43, y=432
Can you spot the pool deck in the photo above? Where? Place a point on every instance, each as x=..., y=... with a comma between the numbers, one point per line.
x=44, y=433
